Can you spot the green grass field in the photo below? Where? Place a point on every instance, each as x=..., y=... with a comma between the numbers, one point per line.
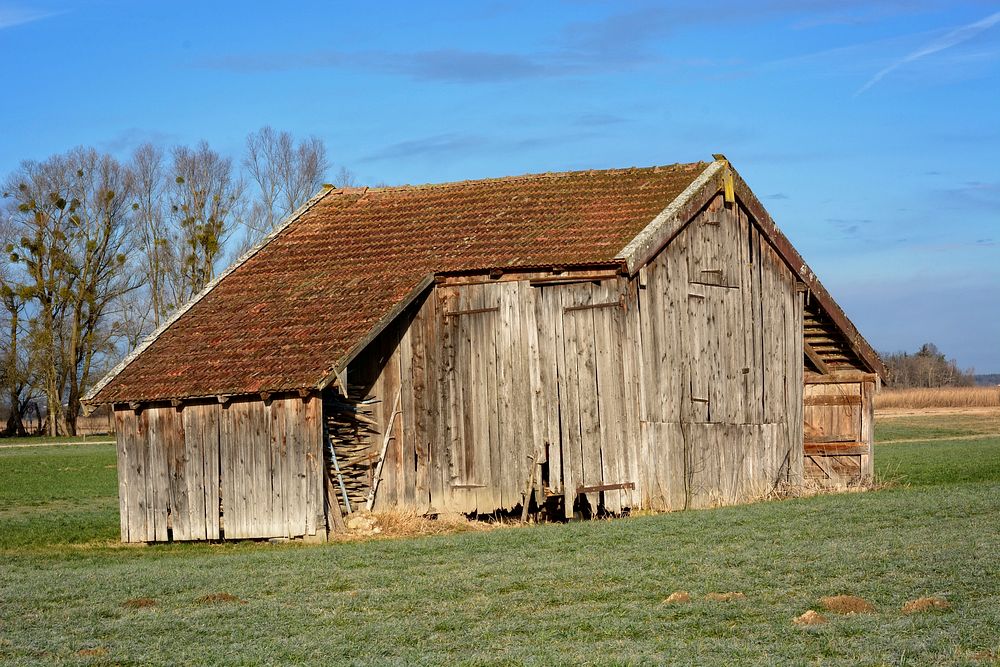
x=585, y=593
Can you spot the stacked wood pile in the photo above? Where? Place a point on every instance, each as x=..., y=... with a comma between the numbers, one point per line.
x=351, y=454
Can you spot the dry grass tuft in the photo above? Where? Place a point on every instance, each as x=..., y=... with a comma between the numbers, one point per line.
x=408, y=523
x=939, y=397
x=925, y=604
x=219, y=598
x=139, y=603
x=92, y=652
x=847, y=604
x=677, y=597
x=810, y=618
x=725, y=597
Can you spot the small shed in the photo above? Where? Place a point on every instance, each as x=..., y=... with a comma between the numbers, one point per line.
x=580, y=343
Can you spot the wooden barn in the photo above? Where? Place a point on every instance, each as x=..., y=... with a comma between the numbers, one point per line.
x=576, y=343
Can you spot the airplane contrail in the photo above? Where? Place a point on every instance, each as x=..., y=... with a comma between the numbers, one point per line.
x=946, y=41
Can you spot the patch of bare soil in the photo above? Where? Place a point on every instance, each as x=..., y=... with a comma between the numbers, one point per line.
x=921, y=605
x=219, y=598
x=677, y=597
x=985, y=656
x=402, y=523
x=847, y=604
x=139, y=603
x=92, y=652
x=810, y=618
x=725, y=597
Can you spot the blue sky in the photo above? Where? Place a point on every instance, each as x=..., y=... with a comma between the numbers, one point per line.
x=871, y=130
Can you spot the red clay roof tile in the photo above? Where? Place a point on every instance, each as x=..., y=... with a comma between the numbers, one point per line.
x=285, y=317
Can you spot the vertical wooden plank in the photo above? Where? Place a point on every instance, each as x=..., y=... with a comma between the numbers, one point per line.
x=311, y=428
x=194, y=446
x=452, y=399
x=179, y=473
x=439, y=352
x=610, y=394
x=549, y=329
x=590, y=425
x=212, y=468
x=298, y=457
x=626, y=330
x=494, y=349
x=407, y=468
x=227, y=454
x=536, y=384
x=130, y=475
x=569, y=402
x=523, y=414
x=420, y=408
x=122, y=451
x=159, y=474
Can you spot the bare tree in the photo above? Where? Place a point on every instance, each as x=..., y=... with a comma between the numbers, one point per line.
x=15, y=359
x=157, y=240
x=205, y=203
x=71, y=213
x=345, y=178
x=285, y=174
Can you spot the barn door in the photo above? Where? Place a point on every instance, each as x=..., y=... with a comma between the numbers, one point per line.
x=593, y=461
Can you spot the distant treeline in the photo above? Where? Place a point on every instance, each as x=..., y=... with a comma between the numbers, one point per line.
x=988, y=379
x=927, y=367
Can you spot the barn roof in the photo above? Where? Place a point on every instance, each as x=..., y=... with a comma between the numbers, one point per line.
x=290, y=311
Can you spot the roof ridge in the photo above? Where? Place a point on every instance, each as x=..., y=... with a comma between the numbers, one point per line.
x=524, y=177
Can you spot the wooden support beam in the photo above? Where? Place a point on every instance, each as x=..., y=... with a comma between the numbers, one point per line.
x=832, y=400
x=839, y=377
x=818, y=449
x=572, y=278
x=823, y=465
x=591, y=306
x=472, y=311
x=815, y=359
x=596, y=488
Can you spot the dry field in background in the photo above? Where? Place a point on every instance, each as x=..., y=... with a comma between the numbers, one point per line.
x=939, y=397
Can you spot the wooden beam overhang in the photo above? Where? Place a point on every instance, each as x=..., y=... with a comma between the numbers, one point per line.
x=815, y=359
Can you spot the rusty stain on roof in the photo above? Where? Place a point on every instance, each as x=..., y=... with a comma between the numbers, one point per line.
x=287, y=315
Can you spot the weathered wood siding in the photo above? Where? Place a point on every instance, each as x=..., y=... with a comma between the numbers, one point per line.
x=720, y=329
x=203, y=472
x=682, y=387
x=839, y=420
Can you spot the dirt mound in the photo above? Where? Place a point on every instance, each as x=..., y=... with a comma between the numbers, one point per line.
x=92, y=652
x=219, y=598
x=810, y=618
x=725, y=597
x=677, y=597
x=925, y=604
x=847, y=604
x=364, y=525
x=139, y=603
